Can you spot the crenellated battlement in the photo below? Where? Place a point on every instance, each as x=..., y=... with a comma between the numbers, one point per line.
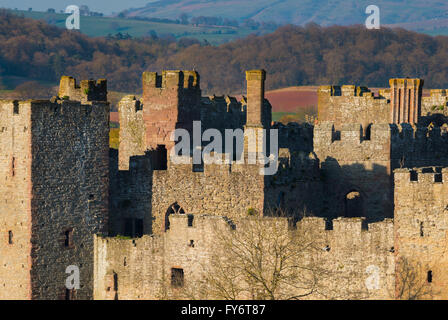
x=438, y=92
x=426, y=176
x=325, y=133
x=341, y=227
x=88, y=90
x=171, y=79
x=345, y=91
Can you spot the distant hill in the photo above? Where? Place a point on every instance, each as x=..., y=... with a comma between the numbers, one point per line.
x=95, y=26
x=292, y=56
x=416, y=13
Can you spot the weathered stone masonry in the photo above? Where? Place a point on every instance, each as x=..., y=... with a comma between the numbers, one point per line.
x=55, y=195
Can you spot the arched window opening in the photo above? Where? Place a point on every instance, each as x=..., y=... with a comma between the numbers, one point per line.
x=175, y=208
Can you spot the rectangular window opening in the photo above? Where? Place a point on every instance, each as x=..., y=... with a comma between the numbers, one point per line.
x=177, y=277
x=10, y=237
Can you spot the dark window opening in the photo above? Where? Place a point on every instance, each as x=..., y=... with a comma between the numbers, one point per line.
x=438, y=178
x=337, y=136
x=429, y=276
x=160, y=158
x=70, y=294
x=68, y=238
x=190, y=220
x=353, y=205
x=10, y=236
x=173, y=209
x=191, y=245
x=91, y=197
x=177, y=278
x=13, y=165
x=16, y=108
x=421, y=229
x=414, y=175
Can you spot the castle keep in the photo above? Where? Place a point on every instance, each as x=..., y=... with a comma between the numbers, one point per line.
x=366, y=185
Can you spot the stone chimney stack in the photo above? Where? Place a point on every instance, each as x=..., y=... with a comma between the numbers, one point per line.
x=405, y=100
x=255, y=97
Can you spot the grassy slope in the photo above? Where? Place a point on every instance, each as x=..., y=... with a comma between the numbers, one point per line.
x=102, y=26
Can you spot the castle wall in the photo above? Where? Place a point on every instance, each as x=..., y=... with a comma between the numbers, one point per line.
x=421, y=226
x=437, y=102
x=69, y=175
x=15, y=199
x=171, y=100
x=142, y=267
x=351, y=163
x=351, y=104
x=132, y=130
x=229, y=190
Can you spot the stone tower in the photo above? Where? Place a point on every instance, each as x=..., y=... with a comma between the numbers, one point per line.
x=54, y=191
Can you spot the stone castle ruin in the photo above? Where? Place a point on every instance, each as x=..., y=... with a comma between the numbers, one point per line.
x=367, y=183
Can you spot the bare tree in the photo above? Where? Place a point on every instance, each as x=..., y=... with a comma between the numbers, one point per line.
x=411, y=282
x=264, y=258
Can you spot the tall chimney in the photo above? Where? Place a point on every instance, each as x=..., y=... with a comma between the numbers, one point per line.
x=405, y=100
x=255, y=97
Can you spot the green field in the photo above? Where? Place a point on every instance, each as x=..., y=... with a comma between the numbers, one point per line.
x=103, y=26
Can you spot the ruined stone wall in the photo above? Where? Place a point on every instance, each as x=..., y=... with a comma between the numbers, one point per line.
x=418, y=146
x=130, y=193
x=132, y=130
x=15, y=199
x=222, y=113
x=350, y=254
x=69, y=175
x=296, y=189
x=437, y=102
x=352, y=163
x=351, y=104
x=171, y=100
x=421, y=225
x=87, y=90
x=229, y=190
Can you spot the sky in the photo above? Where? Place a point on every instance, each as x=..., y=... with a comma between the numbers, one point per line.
x=104, y=6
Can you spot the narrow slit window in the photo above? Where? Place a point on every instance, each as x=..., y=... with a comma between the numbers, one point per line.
x=429, y=276
x=10, y=237
x=68, y=238
x=190, y=220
